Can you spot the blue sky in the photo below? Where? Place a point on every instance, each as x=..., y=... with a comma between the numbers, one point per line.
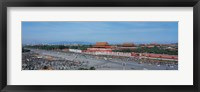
x=112, y=32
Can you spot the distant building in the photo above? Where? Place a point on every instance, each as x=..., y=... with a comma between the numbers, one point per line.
x=151, y=45
x=102, y=45
x=128, y=45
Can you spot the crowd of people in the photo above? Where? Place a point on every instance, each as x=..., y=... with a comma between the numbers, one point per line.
x=33, y=61
x=79, y=61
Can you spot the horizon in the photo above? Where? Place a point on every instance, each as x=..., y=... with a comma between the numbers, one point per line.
x=91, y=32
x=90, y=43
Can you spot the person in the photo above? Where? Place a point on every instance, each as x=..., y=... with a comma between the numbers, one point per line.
x=45, y=67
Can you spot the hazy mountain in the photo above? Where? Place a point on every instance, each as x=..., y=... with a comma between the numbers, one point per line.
x=71, y=43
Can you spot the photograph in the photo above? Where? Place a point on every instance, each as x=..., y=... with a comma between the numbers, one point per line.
x=99, y=45
x=106, y=45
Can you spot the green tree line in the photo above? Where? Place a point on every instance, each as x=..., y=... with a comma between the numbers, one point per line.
x=51, y=47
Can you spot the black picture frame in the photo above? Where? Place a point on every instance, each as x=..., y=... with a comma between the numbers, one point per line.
x=98, y=3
